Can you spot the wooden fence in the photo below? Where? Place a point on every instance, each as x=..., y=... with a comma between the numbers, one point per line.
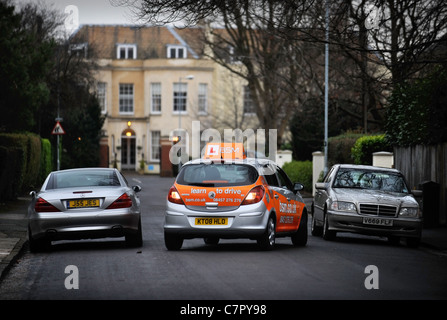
x=423, y=163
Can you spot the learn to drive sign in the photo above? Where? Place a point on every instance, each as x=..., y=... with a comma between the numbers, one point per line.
x=224, y=151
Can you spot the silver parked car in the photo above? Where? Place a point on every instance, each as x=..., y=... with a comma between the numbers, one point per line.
x=84, y=204
x=367, y=200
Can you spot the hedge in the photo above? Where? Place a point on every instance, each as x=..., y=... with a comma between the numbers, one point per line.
x=300, y=171
x=45, y=161
x=339, y=148
x=365, y=146
x=10, y=167
x=21, y=156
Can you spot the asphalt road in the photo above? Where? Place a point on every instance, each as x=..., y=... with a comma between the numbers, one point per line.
x=232, y=270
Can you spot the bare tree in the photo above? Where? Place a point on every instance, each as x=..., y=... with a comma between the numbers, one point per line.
x=246, y=33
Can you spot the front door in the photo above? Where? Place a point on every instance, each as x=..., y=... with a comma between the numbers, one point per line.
x=128, y=153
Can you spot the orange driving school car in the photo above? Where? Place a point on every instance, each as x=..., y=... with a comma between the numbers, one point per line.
x=226, y=195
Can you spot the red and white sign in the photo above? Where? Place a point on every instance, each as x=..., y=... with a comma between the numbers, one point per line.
x=224, y=151
x=58, y=130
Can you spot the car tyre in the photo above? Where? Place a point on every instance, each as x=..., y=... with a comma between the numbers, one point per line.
x=211, y=240
x=315, y=230
x=267, y=240
x=327, y=234
x=37, y=245
x=299, y=238
x=394, y=240
x=135, y=239
x=413, y=242
x=173, y=242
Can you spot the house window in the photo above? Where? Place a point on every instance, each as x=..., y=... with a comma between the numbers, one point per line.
x=126, y=51
x=79, y=49
x=248, y=101
x=176, y=52
x=155, y=145
x=203, y=98
x=126, y=98
x=180, y=95
x=101, y=93
x=156, y=97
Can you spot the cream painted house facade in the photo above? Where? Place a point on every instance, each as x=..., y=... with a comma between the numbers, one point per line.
x=152, y=81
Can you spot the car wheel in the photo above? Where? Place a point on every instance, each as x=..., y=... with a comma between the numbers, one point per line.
x=315, y=230
x=173, y=242
x=394, y=240
x=267, y=240
x=299, y=238
x=413, y=242
x=37, y=245
x=327, y=234
x=135, y=240
x=211, y=240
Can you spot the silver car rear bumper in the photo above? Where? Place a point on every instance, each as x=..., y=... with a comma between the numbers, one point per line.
x=61, y=225
x=247, y=221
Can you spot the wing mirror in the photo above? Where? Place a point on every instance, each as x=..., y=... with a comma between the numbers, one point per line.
x=298, y=187
x=321, y=185
x=136, y=188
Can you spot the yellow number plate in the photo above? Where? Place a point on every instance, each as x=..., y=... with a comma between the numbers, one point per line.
x=82, y=203
x=211, y=221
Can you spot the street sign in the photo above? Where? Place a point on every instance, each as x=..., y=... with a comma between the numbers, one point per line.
x=58, y=130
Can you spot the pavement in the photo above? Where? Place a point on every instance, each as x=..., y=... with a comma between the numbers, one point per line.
x=13, y=234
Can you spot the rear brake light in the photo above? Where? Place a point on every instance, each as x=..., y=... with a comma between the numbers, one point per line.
x=122, y=202
x=254, y=196
x=44, y=206
x=174, y=196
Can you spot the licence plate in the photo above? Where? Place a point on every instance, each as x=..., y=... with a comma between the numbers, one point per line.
x=211, y=221
x=378, y=221
x=82, y=203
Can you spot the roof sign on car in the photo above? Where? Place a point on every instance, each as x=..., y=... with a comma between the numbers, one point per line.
x=225, y=151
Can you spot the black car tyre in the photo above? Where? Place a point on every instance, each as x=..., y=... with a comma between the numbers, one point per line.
x=315, y=230
x=211, y=240
x=300, y=237
x=413, y=242
x=37, y=245
x=173, y=242
x=327, y=234
x=135, y=239
x=267, y=240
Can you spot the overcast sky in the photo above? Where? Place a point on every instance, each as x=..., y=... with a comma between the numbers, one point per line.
x=92, y=11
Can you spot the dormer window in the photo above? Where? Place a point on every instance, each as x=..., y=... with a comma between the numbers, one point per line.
x=176, y=52
x=126, y=51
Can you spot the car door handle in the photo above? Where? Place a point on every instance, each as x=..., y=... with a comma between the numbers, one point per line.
x=276, y=196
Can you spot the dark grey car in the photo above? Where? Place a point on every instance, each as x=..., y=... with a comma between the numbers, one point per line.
x=367, y=200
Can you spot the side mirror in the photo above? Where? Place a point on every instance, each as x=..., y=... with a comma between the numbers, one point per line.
x=33, y=194
x=297, y=187
x=321, y=185
x=417, y=193
x=136, y=188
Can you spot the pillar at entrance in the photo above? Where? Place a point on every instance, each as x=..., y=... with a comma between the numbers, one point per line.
x=165, y=162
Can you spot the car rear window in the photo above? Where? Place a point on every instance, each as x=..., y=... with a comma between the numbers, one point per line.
x=216, y=175
x=81, y=178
